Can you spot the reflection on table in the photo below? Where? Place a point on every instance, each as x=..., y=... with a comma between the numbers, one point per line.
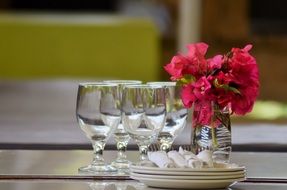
x=115, y=185
x=65, y=164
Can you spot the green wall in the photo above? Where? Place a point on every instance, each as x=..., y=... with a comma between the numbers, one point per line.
x=49, y=46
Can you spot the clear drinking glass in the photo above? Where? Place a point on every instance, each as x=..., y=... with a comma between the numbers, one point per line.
x=98, y=114
x=143, y=115
x=120, y=135
x=176, y=115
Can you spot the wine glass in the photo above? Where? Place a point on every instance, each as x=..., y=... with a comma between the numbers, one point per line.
x=176, y=115
x=98, y=115
x=143, y=115
x=120, y=135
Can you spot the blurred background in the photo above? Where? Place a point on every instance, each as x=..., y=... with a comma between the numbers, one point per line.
x=48, y=46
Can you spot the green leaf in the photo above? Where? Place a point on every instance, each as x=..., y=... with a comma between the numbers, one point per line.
x=225, y=87
x=186, y=79
x=235, y=90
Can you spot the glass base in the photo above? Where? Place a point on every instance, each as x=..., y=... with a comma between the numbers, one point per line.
x=123, y=166
x=93, y=169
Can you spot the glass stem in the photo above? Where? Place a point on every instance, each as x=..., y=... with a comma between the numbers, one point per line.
x=121, y=155
x=143, y=152
x=121, y=147
x=98, y=148
x=214, y=139
x=165, y=147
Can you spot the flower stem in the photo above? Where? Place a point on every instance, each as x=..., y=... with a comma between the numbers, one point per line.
x=214, y=139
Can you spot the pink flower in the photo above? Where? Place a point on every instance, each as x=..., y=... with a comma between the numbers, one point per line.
x=223, y=96
x=195, y=91
x=215, y=62
x=194, y=63
x=223, y=78
x=187, y=95
x=245, y=77
x=197, y=49
x=243, y=103
x=229, y=80
x=201, y=88
x=197, y=63
x=242, y=62
x=176, y=66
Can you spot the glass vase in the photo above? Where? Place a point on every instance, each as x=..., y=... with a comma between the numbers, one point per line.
x=211, y=130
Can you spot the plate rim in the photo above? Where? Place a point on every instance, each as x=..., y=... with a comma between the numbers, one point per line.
x=197, y=181
x=152, y=172
x=179, y=177
x=240, y=168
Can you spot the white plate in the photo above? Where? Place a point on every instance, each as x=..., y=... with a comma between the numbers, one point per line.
x=237, y=176
x=188, y=184
x=228, y=169
x=190, y=173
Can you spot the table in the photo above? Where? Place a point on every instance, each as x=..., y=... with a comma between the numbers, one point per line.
x=57, y=169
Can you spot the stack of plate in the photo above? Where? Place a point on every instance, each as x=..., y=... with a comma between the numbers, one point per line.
x=188, y=178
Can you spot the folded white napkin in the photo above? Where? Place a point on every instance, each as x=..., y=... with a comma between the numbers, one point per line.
x=206, y=157
x=178, y=159
x=182, y=159
x=192, y=160
x=161, y=159
x=186, y=154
